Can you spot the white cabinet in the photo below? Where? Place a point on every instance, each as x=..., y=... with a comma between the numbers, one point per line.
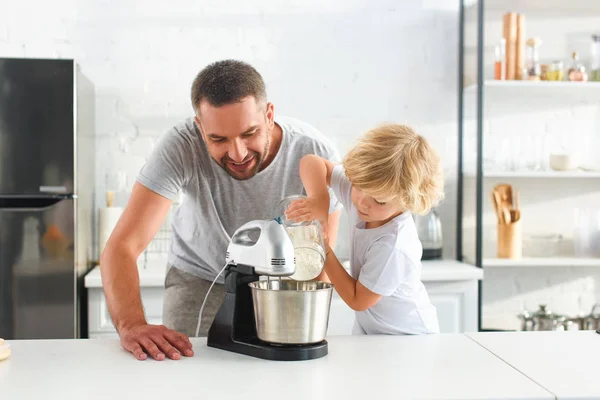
x=452, y=288
x=456, y=303
x=99, y=322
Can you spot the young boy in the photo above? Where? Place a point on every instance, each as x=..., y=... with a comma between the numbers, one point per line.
x=391, y=173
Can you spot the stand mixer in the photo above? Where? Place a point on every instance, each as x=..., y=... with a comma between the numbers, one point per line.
x=248, y=257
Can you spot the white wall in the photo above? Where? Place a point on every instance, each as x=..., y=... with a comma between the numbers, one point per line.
x=341, y=65
x=547, y=204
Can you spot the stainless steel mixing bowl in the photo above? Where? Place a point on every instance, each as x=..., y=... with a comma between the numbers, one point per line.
x=291, y=312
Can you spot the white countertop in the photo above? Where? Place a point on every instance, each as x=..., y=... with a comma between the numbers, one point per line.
x=567, y=364
x=357, y=367
x=442, y=270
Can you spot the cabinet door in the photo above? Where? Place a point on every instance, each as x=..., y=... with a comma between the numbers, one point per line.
x=456, y=303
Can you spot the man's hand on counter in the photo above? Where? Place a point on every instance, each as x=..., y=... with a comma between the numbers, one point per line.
x=155, y=340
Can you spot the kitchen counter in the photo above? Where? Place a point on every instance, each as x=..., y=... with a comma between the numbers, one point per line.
x=357, y=367
x=565, y=363
x=442, y=270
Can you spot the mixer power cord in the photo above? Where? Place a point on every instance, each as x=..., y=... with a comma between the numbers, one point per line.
x=204, y=302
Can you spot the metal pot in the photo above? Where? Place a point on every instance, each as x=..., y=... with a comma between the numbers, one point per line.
x=592, y=321
x=291, y=312
x=526, y=321
x=543, y=320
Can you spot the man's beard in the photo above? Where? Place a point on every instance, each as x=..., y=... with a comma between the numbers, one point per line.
x=260, y=157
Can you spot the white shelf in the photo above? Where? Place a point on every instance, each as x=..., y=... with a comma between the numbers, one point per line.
x=541, y=262
x=554, y=7
x=533, y=86
x=538, y=174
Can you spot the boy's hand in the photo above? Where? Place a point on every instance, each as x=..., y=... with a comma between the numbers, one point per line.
x=309, y=209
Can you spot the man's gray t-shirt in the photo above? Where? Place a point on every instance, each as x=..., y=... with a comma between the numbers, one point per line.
x=214, y=204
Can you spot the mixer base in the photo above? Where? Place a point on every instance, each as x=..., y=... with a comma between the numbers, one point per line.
x=255, y=347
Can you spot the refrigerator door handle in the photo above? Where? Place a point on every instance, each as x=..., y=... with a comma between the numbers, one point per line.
x=32, y=202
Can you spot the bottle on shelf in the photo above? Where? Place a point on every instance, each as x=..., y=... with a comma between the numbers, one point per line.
x=500, y=63
x=595, y=58
x=534, y=69
x=577, y=71
x=555, y=71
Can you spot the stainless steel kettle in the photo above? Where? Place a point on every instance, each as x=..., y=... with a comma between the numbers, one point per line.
x=429, y=230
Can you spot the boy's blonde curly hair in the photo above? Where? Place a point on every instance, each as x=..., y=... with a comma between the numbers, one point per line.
x=393, y=163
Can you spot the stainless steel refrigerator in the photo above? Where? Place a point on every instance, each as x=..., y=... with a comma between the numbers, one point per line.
x=46, y=197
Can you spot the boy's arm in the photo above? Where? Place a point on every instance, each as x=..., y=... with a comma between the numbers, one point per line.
x=315, y=173
x=354, y=294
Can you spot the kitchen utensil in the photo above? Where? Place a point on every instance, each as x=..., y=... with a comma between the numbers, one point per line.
x=592, y=321
x=577, y=323
x=526, y=320
x=507, y=215
x=283, y=307
x=307, y=238
x=542, y=320
x=506, y=196
x=429, y=230
x=506, y=204
x=499, y=208
x=493, y=196
x=263, y=248
x=510, y=242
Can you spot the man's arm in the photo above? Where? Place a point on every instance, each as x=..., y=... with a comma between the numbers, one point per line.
x=141, y=219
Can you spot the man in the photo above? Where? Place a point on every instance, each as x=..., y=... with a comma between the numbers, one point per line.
x=233, y=162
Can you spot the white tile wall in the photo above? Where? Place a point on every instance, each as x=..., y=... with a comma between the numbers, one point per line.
x=341, y=65
x=548, y=204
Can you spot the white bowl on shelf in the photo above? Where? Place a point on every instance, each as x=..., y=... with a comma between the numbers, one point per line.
x=563, y=162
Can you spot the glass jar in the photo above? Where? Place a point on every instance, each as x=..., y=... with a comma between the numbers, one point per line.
x=595, y=59
x=307, y=238
x=534, y=69
x=577, y=70
x=555, y=71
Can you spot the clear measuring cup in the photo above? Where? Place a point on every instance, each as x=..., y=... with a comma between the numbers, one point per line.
x=307, y=238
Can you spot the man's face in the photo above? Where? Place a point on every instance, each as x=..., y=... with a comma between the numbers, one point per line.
x=237, y=135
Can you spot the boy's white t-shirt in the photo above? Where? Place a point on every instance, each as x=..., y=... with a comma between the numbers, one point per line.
x=387, y=261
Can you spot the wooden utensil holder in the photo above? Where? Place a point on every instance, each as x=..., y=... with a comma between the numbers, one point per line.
x=510, y=240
